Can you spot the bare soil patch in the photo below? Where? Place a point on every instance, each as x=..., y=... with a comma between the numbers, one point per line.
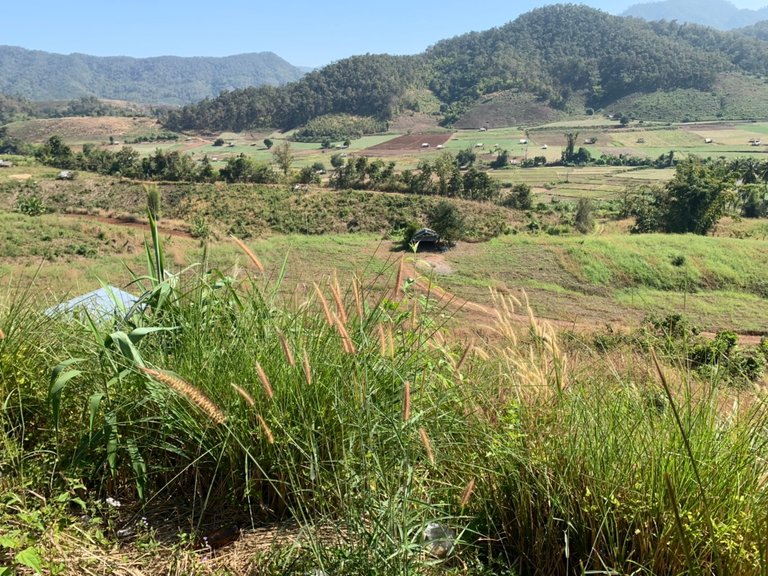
x=131, y=223
x=412, y=142
x=20, y=176
x=414, y=122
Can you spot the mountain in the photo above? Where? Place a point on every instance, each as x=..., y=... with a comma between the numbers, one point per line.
x=40, y=75
x=719, y=14
x=563, y=57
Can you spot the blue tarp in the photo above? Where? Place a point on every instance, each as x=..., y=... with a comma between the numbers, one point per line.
x=99, y=304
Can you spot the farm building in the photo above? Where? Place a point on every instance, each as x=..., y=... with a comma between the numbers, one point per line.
x=6, y=164
x=426, y=237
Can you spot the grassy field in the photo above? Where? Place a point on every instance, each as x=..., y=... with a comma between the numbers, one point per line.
x=609, y=278
x=241, y=419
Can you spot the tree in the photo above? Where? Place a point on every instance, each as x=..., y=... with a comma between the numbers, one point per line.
x=519, y=197
x=283, y=156
x=695, y=198
x=268, y=143
x=447, y=221
x=501, y=160
x=584, y=219
x=466, y=158
x=570, y=146
x=337, y=160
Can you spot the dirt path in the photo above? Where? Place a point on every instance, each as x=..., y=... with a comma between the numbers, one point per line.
x=130, y=223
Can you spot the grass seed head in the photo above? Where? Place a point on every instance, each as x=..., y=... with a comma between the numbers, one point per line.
x=336, y=292
x=324, y=304
x=286, y=348
x=398, y=291
x=307, y=368
x=244, y=394
x=187, y=390
x=267, y=432
x=407, y=402
x=249, y=253
x=467, y=493
x=264, y=381
x=427, y=445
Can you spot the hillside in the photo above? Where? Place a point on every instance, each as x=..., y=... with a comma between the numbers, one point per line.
x=719, y=14
x=40, y=75
x=558, y=59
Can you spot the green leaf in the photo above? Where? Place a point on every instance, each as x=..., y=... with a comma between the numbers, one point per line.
x=110, y=430
x=59, y=380
x=10, y=540
x=138, y=465
x=126, y=347
x=93, y=408
x=30, y=558
x=139, y=333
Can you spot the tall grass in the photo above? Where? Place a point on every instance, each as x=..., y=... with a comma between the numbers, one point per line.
x=353, y=414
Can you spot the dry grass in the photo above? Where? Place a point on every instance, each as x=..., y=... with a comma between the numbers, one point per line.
x=188, y=391
x=264, y=381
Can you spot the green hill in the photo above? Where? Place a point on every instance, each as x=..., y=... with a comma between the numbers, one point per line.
x=550, y=62
x=40, y=75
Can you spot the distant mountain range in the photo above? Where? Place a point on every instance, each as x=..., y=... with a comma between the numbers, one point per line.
x=719, y=14
x=40, y=76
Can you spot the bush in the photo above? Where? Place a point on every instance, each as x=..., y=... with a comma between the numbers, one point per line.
x=446, y=219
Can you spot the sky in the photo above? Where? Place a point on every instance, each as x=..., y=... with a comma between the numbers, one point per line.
x=303, y=32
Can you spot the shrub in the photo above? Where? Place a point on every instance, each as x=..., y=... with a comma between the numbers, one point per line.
x=446, y=219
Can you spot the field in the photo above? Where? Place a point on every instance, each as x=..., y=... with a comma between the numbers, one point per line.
x=315, y=400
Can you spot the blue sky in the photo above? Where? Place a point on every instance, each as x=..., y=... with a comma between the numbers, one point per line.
x=304, y=32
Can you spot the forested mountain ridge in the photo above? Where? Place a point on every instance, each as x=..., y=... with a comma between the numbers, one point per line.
x=560, y=54
x=38, y=75
x=719, y=14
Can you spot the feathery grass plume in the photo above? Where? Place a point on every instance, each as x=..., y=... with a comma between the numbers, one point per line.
x=286, y=348
x=467, y=493
x=382, y=340
x=336, y=293
x=386, y=341
x=307, y=368
x=349, y=346
x=264, y=381
x=324, y=304
x=2, y=334
x=358, y=297
x=427, y=445
x=249, y=253
x=463, y=357
x=414, y=314
x=481, y=353
x=187, y=390
x=265, y=428
x=407, y=402
x=244, y=394
x=398, y=291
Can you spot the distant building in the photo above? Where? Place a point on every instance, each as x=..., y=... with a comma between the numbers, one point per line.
x=6, y=164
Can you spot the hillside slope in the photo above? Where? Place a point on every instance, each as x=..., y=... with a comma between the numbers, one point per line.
x=163, y=80
x=564, y=57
